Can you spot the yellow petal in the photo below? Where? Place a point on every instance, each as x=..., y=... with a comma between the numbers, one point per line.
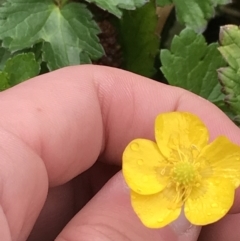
x=180, y=130
x=210, y=202
x=142, y=166
x=223, y=158
x=157, y=210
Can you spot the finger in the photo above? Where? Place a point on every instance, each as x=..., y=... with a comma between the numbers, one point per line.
x=109, y=216
x=58, y=209
x=64, y=201
x=226, y=229
x=70, y=116
x=23, y=187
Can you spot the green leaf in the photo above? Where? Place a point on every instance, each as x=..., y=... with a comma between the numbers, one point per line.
x=139, y=41
x=68, y=32
x=18, y=69
x=114, y=6
x=194, y=13
x=4, y=81
x=192, y=64
x=4, y=56
x=230, y=76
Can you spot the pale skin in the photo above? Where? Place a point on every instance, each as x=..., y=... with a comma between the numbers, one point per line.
x=55, y=127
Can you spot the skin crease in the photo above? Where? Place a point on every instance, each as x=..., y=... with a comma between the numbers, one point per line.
x=61, y=139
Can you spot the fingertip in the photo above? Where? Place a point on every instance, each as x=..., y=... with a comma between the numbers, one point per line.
x=184, y=229
x=5, y=231
x=110, y=216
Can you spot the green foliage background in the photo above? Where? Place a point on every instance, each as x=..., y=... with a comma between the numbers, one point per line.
x=38, y=36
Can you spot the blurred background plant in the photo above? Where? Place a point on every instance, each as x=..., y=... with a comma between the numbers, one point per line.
x=198, y=42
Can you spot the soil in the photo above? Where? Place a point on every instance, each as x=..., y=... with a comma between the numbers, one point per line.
x=113, y=57
x=109, y=41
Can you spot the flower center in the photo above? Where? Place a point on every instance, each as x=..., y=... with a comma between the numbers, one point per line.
x=184, y=173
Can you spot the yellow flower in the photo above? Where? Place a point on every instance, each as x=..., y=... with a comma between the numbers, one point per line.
x=181, y=170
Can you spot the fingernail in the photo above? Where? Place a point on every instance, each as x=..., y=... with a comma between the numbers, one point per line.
x=184, y=229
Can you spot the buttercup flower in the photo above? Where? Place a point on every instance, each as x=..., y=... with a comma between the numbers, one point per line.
x=181, y=170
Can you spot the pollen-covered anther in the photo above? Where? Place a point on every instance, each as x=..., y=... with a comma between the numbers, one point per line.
x=184, y=173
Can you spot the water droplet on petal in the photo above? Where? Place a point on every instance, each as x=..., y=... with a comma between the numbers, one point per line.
x=145, y=178
x=140, y=162
x=209, y=214
x=134, y=146
x=163, y=171
x=214, y=205
x=139, y=190
x=224, y=211
x=160, y=220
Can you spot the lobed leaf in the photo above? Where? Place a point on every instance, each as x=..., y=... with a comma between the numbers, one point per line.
x=114, y=6
x=18, y=69
x=194, y=13
x=230, y=76
x=4, y=56
x=68, y=32
x=192, y=64
x=4, y=81
x=21, y=67
x=139, y=41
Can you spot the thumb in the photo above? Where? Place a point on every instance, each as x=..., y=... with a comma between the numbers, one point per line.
x=109, y=216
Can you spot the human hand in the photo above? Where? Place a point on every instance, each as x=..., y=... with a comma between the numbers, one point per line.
x=53, y=128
